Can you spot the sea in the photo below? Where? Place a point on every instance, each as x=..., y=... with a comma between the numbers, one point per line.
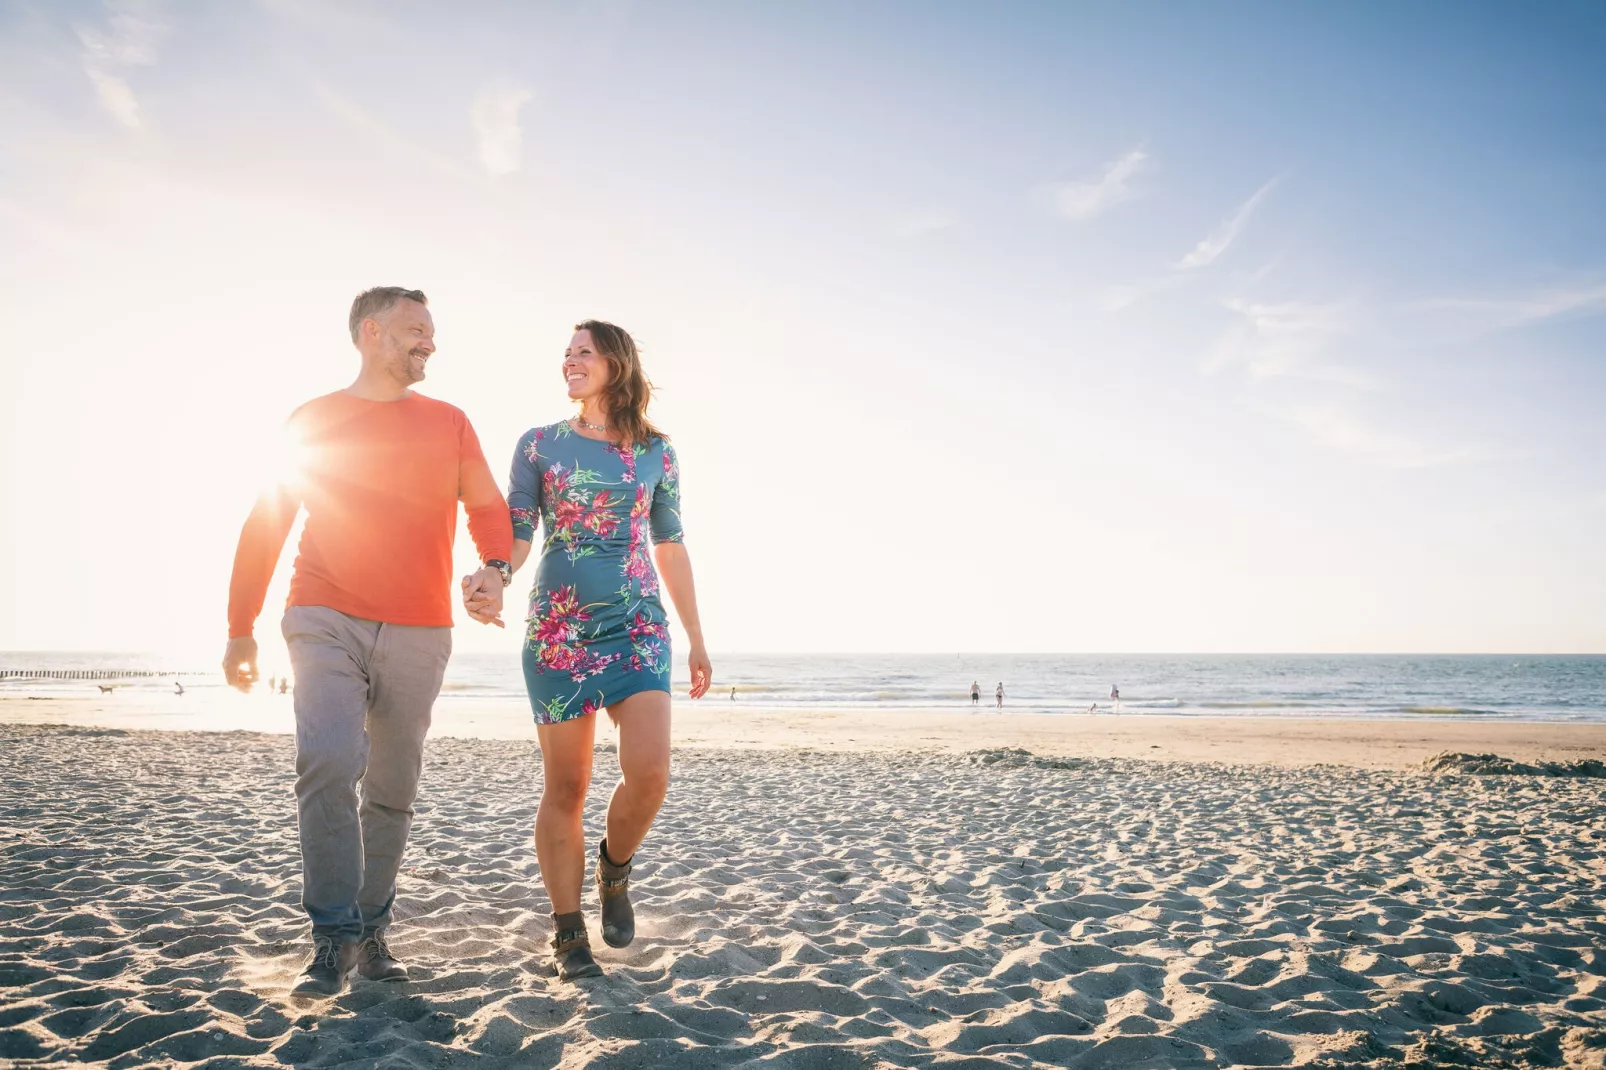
x=1391, y=686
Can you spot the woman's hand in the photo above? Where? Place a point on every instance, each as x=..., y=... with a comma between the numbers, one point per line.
x=702, y=670
x=482, y=596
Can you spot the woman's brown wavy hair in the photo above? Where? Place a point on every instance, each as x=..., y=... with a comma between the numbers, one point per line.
x=629, y=391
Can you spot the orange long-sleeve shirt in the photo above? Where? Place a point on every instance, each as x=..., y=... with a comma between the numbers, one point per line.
x=380, y=481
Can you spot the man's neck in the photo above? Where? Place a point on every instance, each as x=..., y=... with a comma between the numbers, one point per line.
x=377, y=386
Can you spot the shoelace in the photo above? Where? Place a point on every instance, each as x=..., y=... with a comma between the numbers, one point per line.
x=377, y=947
x=326, y=952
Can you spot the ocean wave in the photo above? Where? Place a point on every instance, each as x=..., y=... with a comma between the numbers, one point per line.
x=1446, y=711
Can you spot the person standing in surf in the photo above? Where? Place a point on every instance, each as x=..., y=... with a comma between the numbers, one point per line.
x=603, y=484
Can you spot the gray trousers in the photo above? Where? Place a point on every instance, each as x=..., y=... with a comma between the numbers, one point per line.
x=363, y=696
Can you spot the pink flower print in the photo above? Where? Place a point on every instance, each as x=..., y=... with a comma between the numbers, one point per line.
x=644, y=627
x=589, y=706
x=628, y=457
x=637, y=567
x=566, y=602
x=599, y=518
x=567, y=515
x=555, y=483
x=532, y=449
x=560, y=656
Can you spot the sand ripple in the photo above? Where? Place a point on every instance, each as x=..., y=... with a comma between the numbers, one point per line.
x=814, y=910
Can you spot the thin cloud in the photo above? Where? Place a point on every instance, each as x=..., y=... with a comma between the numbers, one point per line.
x=1343, y=430
x=495, y=117
x=1080, y=201
x=1218, y=240
x=128, y=38
x=1290, y=356
x=1503, y=312
x=382, y=134
x=1288, y=340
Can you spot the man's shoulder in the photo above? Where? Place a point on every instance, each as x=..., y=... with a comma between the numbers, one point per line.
x=339, y=406
x=318, y=408
x=437, y=407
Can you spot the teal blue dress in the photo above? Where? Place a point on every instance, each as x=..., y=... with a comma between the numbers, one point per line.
x=596, y=630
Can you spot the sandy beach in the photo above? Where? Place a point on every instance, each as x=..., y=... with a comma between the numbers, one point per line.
x=1286, y=741
x=822, y=907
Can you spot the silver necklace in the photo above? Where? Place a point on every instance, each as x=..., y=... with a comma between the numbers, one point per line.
x=601, y=429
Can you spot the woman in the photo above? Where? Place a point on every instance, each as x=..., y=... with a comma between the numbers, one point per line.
x=602, y=483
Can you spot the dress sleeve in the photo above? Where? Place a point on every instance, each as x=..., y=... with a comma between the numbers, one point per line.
x=665, y=517
x=524, y=487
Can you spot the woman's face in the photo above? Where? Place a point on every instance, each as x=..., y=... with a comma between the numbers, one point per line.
x=584, y=369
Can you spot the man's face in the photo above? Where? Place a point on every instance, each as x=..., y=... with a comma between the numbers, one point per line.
x=407, y=338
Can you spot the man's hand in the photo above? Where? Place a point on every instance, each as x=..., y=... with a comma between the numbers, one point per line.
x=240, y=663
x=702, y=671
x=482, y=596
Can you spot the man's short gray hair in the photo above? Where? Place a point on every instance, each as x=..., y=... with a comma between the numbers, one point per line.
x=371, y=304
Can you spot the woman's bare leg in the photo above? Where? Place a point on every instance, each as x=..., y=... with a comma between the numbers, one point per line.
x=643, y=723
x=560, y=846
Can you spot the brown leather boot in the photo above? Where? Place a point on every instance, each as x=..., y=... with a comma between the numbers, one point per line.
x=571, y=948
x=376, y=961
x=613, y=888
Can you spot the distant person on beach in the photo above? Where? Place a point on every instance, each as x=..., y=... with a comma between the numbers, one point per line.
x=605, y=484
x=975, y=693
x=284, y=686
x=999, y=694
x=733, y=694
x=369, y=620
x=178, y=688
x=1115, y=697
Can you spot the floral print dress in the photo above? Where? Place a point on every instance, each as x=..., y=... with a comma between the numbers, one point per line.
x=597, y=631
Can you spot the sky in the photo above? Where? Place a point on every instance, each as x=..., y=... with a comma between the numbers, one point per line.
x=1050, y=327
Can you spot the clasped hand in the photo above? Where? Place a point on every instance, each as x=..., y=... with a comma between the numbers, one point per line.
x=482, y=596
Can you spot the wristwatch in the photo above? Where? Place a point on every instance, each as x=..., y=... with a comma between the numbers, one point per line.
x=504, y=568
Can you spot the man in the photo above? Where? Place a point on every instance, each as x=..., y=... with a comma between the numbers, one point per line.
x=381, y=470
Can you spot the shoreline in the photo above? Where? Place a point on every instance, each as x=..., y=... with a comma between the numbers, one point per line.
x=1242, y=739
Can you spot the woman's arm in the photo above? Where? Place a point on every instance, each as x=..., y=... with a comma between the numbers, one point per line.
x=521, y=553
x=674, y=567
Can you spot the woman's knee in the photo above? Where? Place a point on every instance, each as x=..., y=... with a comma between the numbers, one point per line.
x=647, y=776
x=565, y=793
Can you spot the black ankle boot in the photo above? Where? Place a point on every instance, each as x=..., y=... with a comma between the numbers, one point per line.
x=613, y=888
x=571, y=948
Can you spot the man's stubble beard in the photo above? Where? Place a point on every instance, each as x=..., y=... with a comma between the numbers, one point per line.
x=402, y=369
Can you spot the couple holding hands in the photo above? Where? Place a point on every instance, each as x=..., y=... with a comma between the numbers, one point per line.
x=380, y=471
